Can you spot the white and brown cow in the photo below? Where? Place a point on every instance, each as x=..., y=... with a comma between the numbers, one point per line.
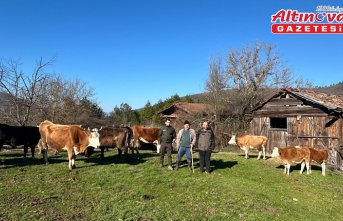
x=246, y=142
x=289, y=155
x=145, y=135
x=72, y=138
x=319, y=156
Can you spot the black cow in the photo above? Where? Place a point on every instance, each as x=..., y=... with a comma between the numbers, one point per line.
x=19, y=135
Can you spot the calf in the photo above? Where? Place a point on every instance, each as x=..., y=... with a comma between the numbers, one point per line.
x=19, y=135
x=72, y=138
x=247, y=142
x=146, y=135
x=115, y=138
x=319, y=156
x=289, y=155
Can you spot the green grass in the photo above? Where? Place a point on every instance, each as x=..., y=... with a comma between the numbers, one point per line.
x=113, y=189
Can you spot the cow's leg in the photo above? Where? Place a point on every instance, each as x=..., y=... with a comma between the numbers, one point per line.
x=137, y=151
x=126, y=150
x=71, y=159
x=288, y=168
x=323, y=169
x=25, y=150
x=308, y=168
x=264, y=152
x=120, y=151
x=302, y=167
x=102, y=152
x=246, y=151
x=285, y=170
x=33, y=151
x=137, y=144
x=259, y=154
x=45, y=155
x=158, y=148
x=43, y=149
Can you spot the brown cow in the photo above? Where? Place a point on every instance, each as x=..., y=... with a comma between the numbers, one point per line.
x=319, y=156
x=115, y=138
x=72, y=138
x=146, y=135
x=289, y=155
x=246, y=142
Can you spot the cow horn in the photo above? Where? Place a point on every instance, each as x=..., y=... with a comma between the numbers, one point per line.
x=100, y=128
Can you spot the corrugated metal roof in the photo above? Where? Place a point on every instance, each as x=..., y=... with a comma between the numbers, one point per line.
x=330, y=101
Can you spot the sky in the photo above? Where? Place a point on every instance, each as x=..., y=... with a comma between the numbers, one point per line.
x=135, y=51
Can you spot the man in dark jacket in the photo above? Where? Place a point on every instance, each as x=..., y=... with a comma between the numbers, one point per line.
x=167, y=134
x=205, y=143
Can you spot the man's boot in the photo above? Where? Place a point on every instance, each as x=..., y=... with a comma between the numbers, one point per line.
x=177, y=165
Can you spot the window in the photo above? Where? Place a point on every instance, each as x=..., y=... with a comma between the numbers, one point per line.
x=278, y=122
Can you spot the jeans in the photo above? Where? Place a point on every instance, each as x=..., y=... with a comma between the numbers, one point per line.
x=182, y=151
x=205, y=157
x=166, y=147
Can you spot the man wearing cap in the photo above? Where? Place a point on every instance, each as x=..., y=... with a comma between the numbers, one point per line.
x=205, y=143
x=167, y=134
x=185, y=139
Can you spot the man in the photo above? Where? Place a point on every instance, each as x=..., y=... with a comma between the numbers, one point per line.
x=185, y=140
x=167, y=134
x=205, y=143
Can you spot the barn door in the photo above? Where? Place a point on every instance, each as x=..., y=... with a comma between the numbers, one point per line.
x=276, y=138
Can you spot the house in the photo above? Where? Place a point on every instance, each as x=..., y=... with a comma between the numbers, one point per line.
x=301, y=117
x=193, y=112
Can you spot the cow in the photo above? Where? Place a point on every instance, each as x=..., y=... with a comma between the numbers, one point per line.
x=72, y=138
x=246, y=142
x=319, y=156
x=19, y=135
x=145, y=135
x=115, y=138
x=289, y=155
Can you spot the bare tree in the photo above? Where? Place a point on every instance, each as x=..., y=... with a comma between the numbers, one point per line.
x=251, y=73
x=255, y=70
x=63, y=101
x=216, y=86
x=23, y=91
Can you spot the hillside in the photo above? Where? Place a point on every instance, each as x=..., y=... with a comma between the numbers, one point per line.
x=336, y=89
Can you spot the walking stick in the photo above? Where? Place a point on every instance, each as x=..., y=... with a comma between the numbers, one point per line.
x=192, y=158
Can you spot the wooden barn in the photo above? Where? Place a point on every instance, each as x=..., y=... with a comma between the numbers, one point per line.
x=193, y=112
x=301, y=117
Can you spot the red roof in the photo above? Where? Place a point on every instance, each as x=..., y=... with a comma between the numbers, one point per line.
x=190, y=107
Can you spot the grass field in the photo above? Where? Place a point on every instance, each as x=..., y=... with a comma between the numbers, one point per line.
x=113, y=189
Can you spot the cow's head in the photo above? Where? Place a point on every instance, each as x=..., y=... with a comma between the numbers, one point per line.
x=275, y=152
x=91, y=140
x=233, y=140
x=94, y=138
